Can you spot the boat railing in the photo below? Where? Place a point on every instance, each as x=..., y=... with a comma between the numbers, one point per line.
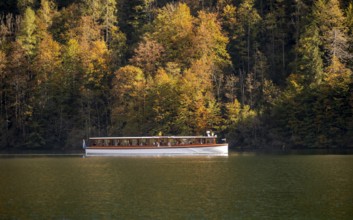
x=150, y=142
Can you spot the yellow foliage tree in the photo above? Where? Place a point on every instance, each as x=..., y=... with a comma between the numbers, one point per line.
x=173, y=29
x=129, y=91
x=209, y=40
x=337, y=75
x=48, y=58
x=2, y=63
x=199, y=109
x=162, y=103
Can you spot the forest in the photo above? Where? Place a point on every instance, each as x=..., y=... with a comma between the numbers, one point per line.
x=262, y=74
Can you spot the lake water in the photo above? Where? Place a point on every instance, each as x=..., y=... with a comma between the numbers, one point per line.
x=240, y=186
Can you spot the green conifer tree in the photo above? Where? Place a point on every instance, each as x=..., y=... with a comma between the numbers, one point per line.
x=27, y=36
x=310, y=64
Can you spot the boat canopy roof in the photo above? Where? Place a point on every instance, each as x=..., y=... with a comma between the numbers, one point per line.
x=151, y=137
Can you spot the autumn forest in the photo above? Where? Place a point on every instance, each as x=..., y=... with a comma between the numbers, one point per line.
x=263, y=74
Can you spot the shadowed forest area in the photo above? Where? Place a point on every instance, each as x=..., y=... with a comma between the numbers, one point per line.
x=263, y=74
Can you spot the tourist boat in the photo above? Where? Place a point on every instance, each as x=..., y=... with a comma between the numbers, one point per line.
x=155, y=145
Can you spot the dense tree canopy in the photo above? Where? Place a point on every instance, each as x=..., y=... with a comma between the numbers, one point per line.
x=261, y=73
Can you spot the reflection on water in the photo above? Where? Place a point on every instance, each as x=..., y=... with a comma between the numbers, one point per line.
x=234, y=187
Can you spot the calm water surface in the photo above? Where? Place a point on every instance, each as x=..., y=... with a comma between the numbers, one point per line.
x=236, y=187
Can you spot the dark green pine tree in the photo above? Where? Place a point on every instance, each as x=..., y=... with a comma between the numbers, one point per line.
x=133, y=15
x=274, y=38
x=245, y=44
x=310, y=64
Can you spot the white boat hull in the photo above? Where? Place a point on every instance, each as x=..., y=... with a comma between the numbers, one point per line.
x=219, y=149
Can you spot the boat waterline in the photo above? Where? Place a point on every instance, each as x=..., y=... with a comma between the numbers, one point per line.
x=216, y=149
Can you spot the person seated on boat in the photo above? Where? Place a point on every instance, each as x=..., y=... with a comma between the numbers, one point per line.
x=169, y=144
x=158, y=145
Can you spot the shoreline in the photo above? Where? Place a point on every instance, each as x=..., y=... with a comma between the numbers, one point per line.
x=321, y=151
x=306, y=151
x=42, y=152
